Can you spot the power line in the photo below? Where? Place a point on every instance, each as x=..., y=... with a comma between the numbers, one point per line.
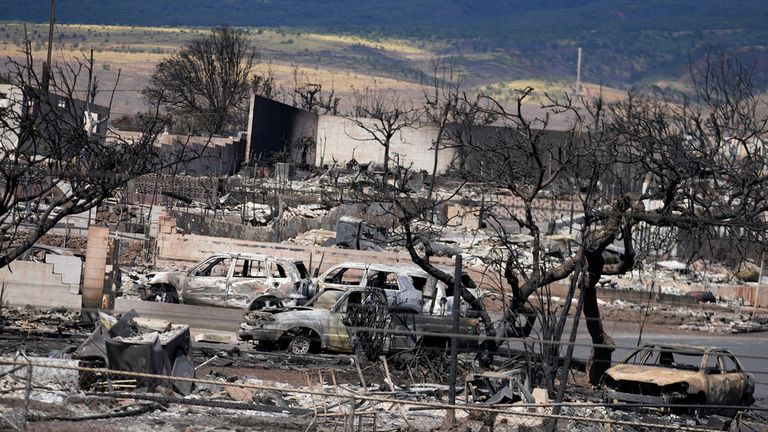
x=530, y=340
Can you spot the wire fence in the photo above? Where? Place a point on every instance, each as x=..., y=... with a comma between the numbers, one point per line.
x=30, y=364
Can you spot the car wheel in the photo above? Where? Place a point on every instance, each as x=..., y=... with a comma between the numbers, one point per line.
x=299, y=345
x=160, y=293
x=698, y=412
x=166, y=297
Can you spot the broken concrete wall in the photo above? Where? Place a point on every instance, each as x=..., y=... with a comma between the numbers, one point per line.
x=275, y=127
x=39, y=284
x=188, y=249
x=204, y=155
x=291, y=225
x=95, y=266
x=459, y=215
x=150, y=189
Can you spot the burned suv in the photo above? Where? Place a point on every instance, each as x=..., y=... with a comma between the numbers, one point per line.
x=679, y=374
x=406, y=286
x=233, y=280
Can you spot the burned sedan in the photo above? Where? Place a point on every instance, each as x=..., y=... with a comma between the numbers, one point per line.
x=234, y=280
x=322, y=325
x=668, y=374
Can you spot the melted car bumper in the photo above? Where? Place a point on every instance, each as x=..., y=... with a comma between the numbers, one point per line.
x=615, y=396
x=258, y=334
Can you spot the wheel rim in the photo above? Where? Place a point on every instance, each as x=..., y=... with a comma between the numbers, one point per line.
x=300, y=345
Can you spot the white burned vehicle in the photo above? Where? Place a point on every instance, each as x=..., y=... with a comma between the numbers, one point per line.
x=406, y=287
x=233, y=280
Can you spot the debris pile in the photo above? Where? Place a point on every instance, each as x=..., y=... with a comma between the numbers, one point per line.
x=718, y=318
x=125, y=345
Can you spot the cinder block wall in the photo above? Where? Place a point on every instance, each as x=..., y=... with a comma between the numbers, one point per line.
x=32, y=283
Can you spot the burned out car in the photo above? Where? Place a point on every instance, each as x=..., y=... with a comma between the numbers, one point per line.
x=234, y=280
x=672, y=374
x=321, y=325
x=406, y=286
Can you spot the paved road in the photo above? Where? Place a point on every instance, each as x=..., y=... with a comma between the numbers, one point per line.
x=625, y=336
x=198, y=317
x=752, y=349
x=745, y=347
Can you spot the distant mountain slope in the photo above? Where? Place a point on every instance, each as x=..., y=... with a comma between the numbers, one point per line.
x=625, y=41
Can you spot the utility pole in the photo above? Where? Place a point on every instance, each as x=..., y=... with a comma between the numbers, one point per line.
x=759, y=282
x=47, y=65
x=578, y=73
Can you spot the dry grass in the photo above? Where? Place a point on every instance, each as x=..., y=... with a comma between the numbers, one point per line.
x=396, y=46
x=136, y=50
x=334, y=61
x=507, y=90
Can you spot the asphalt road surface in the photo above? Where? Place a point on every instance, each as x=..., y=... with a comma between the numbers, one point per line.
x=748, y=347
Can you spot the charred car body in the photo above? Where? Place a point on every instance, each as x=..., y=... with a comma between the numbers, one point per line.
x=323, y=325
x=234, y=280
x=669, y=374
x=406, y=287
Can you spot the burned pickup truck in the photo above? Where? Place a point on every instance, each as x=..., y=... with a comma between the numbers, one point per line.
x=326, y=324
x=233, y=280
x=669, y=374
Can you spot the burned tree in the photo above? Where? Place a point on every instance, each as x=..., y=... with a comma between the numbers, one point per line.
x=400, y=198
x=54, y=157
x=207, y=83
x=380, y=116
x=310, y=97
x=694, y=168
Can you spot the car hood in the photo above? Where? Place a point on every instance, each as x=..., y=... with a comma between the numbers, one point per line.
x=652, y=374
x=167, y=277
x=300, y=313
x=285, y=314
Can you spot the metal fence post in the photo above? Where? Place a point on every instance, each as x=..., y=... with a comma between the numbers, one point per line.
x=451, y=417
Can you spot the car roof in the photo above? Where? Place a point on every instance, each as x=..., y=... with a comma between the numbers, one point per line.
x=382, y=267
x=683, y=347
x=412, y=269
x=253, y=256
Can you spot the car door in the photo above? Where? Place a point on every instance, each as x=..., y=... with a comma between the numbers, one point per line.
x=406, y=332
x=279, y=281
x=207, y=283
x=716, y=379
x=735, y=380
x=338, y=337
x=247, y=281
x=408, y=298
x=343, y=278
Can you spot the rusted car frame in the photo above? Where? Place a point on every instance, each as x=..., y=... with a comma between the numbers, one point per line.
x=669, y=374
x=233, y=280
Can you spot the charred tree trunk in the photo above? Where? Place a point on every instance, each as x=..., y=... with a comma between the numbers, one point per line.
x=603, y=345
x=386, y=161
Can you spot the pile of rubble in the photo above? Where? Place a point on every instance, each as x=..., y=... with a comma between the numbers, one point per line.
x=717, y=318
x=51, y=322
x=237, y=388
